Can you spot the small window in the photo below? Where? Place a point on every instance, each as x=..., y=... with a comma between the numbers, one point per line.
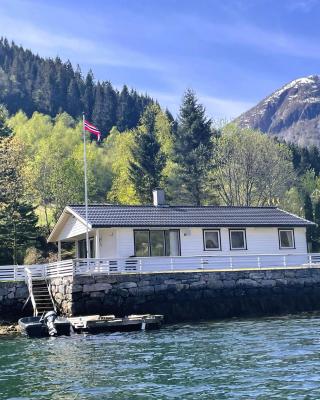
x=286, y=239
x=212, y=240
x=237, y=239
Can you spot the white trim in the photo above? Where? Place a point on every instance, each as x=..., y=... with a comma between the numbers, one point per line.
x=204, y=240
x=243, y=231
x=57, y=228
x=292, y=239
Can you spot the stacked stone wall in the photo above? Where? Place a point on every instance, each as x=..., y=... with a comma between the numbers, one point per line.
x=184, y=296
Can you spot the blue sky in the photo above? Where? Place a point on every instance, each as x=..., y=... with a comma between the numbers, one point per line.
x=231, y=52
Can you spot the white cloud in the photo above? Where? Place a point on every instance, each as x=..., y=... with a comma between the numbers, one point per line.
x=84, y=50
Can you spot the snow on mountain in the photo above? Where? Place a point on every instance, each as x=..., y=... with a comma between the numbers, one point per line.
x=291, y=112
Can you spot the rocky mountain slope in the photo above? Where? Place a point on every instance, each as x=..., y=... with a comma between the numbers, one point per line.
x=291, y=113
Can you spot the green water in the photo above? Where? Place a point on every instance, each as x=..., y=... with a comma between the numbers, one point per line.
x=271, y=358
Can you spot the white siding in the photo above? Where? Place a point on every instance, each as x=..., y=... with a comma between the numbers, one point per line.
x=108, y=243
x=259, y=241
x=119, y=242
x=125, y=242
x=73, y=227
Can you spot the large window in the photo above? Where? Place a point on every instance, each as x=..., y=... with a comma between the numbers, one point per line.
x=211, y=239
x=286, y=239
x=237, y=239
x=156, y=243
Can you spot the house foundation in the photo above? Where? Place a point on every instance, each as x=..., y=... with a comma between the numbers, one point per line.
x=191, y=296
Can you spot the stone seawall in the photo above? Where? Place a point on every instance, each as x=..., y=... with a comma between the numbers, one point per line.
x=13, y=296
x=184, y=296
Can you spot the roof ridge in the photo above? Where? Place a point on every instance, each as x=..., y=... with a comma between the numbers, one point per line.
x=171, y=206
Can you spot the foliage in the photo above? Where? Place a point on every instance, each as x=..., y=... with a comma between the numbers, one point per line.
x=53, y=168
x=192, y=152
x=31, y=83
x=17, y=218
x=250, y=168
x=145, y=169
x=308, y=214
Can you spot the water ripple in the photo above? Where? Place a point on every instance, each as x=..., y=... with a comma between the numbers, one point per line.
x=276, y=358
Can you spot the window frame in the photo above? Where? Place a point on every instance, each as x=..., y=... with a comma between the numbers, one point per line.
x=204, y=239
x=134, y=241
x=243, y=230
x=293, y=238
x=149, y=241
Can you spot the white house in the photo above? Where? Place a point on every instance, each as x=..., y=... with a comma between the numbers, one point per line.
x=159, y=230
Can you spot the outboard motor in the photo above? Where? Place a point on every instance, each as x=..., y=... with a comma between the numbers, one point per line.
x=49, y=319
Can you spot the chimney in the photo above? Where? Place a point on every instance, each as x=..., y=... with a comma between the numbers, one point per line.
x=158, y=197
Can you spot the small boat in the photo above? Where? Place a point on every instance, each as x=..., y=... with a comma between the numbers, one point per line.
x=109, y=323
x=48, y=325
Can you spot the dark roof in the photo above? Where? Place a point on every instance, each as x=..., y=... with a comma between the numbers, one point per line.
x=103, y=215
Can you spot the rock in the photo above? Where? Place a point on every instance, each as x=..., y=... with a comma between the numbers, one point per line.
x=97, y=294
x=247, y=283
x=96, y=287
x=127, y=285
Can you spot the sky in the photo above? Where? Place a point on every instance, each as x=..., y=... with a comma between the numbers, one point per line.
x=232, y=53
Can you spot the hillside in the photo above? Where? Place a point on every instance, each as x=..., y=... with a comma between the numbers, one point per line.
x=31, y=83
x=291, y=113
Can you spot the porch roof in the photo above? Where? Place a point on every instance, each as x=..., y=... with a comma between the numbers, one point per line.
x=104, y=215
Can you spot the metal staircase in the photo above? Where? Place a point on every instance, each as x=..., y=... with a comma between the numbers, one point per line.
x=39, y=294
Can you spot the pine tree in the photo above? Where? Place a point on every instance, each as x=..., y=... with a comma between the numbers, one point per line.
x=125, y=110
x=317, y=228
x=147, y=159
x=308, y=213
x=17, y=230
x=193, y=150
x=88, y=97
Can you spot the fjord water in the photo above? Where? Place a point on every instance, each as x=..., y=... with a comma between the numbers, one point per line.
x=264, y=358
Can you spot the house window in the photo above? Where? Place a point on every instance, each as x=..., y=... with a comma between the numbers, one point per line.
x=212, y=240
x=286, y=239
x=141, y=243
x=156, y=243
x=82, y=248
x=237, y=239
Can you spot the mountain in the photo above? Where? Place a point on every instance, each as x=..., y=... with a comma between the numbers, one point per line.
x=31, y=83
x=291, y=113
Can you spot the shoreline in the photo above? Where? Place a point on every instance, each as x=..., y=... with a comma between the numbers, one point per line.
x=9, y=328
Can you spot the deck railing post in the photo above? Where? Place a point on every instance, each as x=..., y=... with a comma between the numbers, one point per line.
x=284, y=261
x=259, y=263
x=171, y=263
x=310, y=260
x=231, y=263
x=15, y=273
x=140, y=265
x=201, y=263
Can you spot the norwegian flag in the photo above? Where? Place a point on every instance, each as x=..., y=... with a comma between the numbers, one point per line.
x=92, y=129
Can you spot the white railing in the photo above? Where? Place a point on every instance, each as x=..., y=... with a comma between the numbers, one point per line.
x=94, y=266
x=203, y=263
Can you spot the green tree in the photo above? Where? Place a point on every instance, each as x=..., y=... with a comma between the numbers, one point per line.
x=192, y=145
x=17, y=218
x=145, y=169
x=308, y=214
x=251, y=168
x=317, y=228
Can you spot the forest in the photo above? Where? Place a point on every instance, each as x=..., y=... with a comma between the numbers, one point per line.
x=143, y=147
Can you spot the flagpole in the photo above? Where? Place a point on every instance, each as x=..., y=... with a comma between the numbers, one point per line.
x=85, y=186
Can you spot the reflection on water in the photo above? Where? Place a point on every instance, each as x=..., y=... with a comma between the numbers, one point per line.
x=276, y=358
